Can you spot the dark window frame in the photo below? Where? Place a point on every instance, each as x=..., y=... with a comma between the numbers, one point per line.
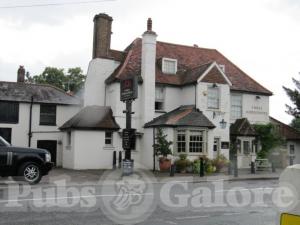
x=108, y=138
x=43, y=121
x=12, y=109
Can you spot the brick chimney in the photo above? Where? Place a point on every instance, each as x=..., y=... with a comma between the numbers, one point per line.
x=102, y=35
x=21, y=74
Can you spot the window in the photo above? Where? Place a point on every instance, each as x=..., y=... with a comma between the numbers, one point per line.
x=169, y=66
x=48, y=115
x=236, y=107
x=9, y=112
x=196, y=141
x=108, y=138
x=216, y=144
x=192, y=141
x=292, y=149
x=5, y=133
x=69, y=138
x=246, y=147
x=213, y=98
x=159, y=98
x=181, y=142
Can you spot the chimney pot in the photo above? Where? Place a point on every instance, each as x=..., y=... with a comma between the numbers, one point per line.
x=21, y=74
x=102, y=35
x=149, y=24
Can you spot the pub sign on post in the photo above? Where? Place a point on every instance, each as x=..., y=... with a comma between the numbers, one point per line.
x=129, y=89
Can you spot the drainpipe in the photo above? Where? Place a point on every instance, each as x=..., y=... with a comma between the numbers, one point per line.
x=30, y=123
x=196, y=95
x=153, y=149
x=105, y=86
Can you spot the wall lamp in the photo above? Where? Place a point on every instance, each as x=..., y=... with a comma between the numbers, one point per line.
x=257, y=97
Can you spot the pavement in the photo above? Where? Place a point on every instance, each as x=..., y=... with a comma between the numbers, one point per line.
x=97, y=177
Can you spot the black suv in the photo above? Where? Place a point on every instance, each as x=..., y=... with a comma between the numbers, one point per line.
x=28, y=163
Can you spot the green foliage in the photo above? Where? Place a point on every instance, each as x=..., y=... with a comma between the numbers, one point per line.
x=196, y=166
x=219, y=162
x=162, y=145
x=294, y=96
x=72, y=81
x=295, y=123
x=183, y=156
x=269, y=138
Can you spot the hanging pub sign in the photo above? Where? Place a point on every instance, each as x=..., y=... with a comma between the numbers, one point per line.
x=128, y=139
x=129, y=89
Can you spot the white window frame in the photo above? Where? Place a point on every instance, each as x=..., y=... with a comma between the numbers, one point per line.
x=209, y=97
x=111, y=138
x=162, y=100
x=188, y=131
x=170, y=60
x=232, y=106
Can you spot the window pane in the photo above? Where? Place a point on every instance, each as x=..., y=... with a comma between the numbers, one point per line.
x=246, y=146
x=9, y=112
x=213, y=98
x=292, y=149
x=236, y=107
x=196, y=141
x=47, y=114
x=169, y=66
x=108, y=138
x=181, y=142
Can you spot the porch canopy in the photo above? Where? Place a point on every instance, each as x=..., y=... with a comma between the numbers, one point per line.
x=183, y=116
x=242, y=127
x=92, y=118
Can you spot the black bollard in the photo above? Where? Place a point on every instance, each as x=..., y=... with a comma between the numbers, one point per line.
x=236, y=169
x=172, y=170
x=114, y=159
x=253, y=167
x=201, y=167
x=120, y=159
x=229, y=168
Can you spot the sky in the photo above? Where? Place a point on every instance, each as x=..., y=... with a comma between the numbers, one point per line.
x=262, y=37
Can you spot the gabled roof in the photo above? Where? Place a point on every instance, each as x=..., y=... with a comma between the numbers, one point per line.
x=242, y=127
x=186, y=115
x=42, y=93
x=92, y=118
x=188, y=59
x=286, y=131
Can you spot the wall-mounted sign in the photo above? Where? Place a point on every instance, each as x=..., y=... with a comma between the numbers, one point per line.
x=129, y=89
x=128, y=139
x=224, y=145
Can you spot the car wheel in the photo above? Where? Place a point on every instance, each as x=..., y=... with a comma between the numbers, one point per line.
x=31, y=172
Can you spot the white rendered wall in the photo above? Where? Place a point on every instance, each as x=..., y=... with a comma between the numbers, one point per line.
x=94, y=90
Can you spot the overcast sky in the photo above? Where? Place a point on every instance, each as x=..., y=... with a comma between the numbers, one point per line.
x=262, y=37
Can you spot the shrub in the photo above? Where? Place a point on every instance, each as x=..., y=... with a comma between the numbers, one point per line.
x=219, y=162
x=183, y=156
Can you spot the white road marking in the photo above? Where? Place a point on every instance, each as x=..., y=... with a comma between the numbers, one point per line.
x=191, y=217
x=68, y=197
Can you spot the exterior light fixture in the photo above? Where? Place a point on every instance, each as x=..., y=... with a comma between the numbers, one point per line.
x=214, y=85
x=223, y=124
x=257, y=97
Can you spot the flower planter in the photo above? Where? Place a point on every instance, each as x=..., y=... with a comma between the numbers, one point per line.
x=164, y=164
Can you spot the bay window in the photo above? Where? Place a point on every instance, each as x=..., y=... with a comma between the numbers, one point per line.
x=191, y=141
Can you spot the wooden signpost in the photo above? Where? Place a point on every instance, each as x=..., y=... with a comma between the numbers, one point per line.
x=128, y=93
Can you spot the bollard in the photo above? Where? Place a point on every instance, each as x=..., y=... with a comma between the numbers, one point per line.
x=273, y=167
x=253, y=167
x=120, y=159
x=291, y=161
x=229, y=168
x=172, y=170
x=201, y=167
x=114, y=159
x=236, y=169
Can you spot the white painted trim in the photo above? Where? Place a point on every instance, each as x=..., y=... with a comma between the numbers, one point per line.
x=214, y=64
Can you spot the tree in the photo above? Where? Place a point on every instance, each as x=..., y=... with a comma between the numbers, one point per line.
x=294, y=96
x=162, y=145
x=269, y=138
x=72, y=81
x=295, y=123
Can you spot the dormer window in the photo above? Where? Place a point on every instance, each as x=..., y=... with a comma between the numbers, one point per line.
x=169, y=66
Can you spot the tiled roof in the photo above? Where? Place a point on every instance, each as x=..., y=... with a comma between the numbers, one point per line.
x=182, y=116
x=242, y=127
x=42, y=93
x=92, y=118
x=188, y=58
x=286, y=131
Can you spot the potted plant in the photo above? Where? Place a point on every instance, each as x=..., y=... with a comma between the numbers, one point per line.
x=163, y=150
